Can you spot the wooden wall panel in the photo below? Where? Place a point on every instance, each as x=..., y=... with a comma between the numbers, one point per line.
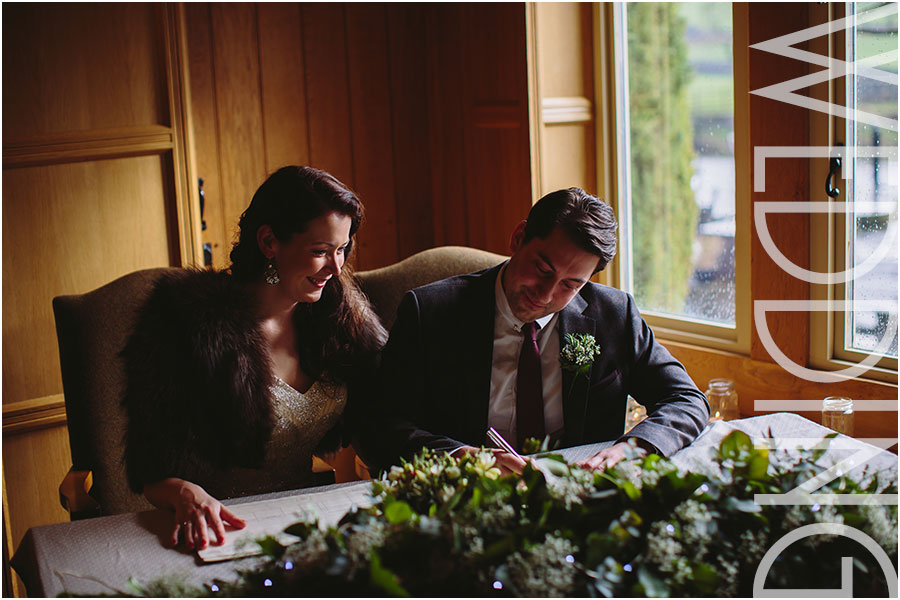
x=31, y=479
x=496, y=113
x=371, y=119
x=408, y=43
x=565, y=29
x=446, y=146
x=422, y=109
x=761, y=380
x=239, y=123
x=564, y=86
x=327, y=89
x=786, y=179
x=573, y=157
x=93, y=91
x=281, y=62
x=96, y=154
x=68, y=229
x=219, y=228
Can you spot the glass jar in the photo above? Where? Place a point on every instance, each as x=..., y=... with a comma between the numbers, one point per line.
x=723, y=400
x=837, y=414
x=634, y=413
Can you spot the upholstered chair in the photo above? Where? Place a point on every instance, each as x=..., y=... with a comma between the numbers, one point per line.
x=386, y=286
x=92, y=329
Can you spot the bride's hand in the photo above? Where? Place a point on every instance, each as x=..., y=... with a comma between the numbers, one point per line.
x=195, y=512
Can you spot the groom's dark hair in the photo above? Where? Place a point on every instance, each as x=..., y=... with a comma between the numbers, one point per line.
x=589, y=222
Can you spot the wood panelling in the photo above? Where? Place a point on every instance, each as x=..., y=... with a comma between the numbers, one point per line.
x=420, y=108
x=38, y=413
x=407, y=53
x=761, y=380
x=281, y=59
x=49, y=149
x=12, y=584
x=786, y=179
x=498, y=192
x=34, y=464
x=96, y=170
x=239, y=115
x=572, y=159
x=219, y=229
x=67, y=229
x=563, y=73
x=446, y=147
x=114, y=75
x=565, y=63
x=327, y=91
x=370, y=124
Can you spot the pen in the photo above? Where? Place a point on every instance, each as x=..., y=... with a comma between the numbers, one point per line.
x=498, y=439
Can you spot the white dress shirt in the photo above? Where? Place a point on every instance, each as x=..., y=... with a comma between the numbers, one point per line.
x=508, y=341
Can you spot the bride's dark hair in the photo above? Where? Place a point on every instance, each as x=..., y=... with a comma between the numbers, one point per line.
x=340, y=334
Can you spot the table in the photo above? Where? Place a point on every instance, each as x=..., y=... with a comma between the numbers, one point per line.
x=97, y=556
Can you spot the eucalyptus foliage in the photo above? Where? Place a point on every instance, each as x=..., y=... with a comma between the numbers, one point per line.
x=455, y=527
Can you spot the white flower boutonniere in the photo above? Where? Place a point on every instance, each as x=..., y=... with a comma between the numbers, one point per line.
x=579, y=353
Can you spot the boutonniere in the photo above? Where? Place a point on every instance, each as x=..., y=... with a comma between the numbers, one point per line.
x=578, y=353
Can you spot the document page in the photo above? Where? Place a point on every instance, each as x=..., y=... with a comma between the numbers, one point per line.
x=271, y=517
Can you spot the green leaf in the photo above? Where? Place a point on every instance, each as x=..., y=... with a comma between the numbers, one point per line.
x=384, y=579
x=398, y=512
x=300, y=529
x=735, y=444
x=136, y=587
x=819, y=452
x=476, y=498
x=706, y=578
x=631, y=490
x=501, y=547
x=736, y=504
x=602, y=494
x=759, y=464
x=654, y=587
x=271, y=547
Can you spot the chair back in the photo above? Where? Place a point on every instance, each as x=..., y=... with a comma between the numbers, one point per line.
x=385, y=286
x=92, y=330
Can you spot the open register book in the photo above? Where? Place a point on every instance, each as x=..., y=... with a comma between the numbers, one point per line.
x=270, y=518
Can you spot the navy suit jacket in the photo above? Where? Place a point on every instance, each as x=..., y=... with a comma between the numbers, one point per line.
x=435, y=375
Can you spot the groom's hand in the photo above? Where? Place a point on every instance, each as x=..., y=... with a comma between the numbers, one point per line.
x=506, y=462
x=608, y=457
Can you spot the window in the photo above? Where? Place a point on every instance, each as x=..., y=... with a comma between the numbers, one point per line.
x=871, y=182
x=676, y=91
x=863, y=237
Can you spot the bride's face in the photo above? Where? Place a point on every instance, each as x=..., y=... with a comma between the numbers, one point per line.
x=308, y=260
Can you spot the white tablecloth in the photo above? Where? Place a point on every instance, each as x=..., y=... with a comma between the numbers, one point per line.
x=97, y=556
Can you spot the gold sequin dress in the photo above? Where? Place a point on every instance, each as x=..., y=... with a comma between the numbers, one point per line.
x=301, y=421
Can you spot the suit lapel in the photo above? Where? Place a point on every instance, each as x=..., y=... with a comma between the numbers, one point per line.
x=575, y=389
x=479, y=360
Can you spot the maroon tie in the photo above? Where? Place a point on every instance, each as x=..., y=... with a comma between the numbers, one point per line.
x=529, y=388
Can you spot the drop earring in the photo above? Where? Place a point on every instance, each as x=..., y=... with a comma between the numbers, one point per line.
x=271, y=273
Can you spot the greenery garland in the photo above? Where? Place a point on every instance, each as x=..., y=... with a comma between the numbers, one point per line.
x=454, y=527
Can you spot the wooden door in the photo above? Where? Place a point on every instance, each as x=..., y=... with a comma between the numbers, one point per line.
x=96, y=184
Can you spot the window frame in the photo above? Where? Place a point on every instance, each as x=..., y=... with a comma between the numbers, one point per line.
x=611, y=67
x=828, y=232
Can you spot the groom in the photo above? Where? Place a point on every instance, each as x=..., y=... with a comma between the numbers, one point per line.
x=483, y=350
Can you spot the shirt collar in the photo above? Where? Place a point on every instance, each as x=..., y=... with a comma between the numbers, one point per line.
x=505, y=311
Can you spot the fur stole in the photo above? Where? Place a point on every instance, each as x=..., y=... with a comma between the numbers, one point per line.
x=197, y=380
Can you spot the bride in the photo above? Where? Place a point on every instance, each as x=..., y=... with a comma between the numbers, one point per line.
x=236, y=378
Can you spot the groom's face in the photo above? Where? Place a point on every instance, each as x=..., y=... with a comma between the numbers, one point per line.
x=543, y=275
